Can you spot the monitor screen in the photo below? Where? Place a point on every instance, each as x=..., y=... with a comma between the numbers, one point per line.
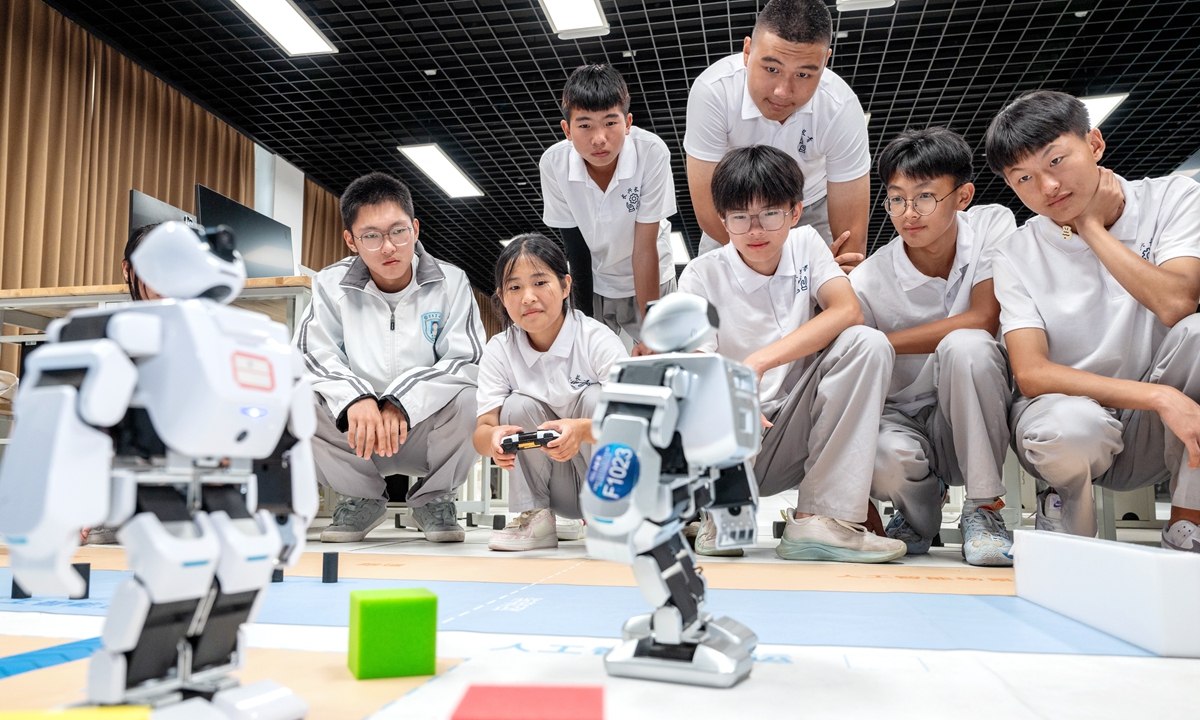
x=265, y=244
x=145, y=210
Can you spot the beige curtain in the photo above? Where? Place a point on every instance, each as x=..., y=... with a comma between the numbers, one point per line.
x=80, y=125
x=323, y=244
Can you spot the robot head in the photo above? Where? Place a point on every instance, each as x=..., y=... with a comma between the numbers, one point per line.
x=183, y=263
x=680, y=322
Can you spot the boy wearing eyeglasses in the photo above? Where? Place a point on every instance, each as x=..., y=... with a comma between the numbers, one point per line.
x=391, y=342
x=930, y=290
x=822, y=376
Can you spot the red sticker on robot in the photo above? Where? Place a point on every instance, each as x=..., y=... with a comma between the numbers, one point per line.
x=253, y=372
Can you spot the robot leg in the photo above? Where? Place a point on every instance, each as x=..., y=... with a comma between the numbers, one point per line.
x=679, y=642
x=145, y=655
x=250, y=545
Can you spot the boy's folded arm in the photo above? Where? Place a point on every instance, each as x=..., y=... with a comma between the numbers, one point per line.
x=840, y=310
x=320, y=342
x=983, y=314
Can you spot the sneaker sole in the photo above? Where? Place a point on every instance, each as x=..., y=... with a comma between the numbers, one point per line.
x=445, y=536
x=713, y=552
x=579, y=535
x=547, y=543
x=987, y=556
x=344, y=536
x=809, y=550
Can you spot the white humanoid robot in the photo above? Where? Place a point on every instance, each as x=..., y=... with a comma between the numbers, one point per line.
x=675, y=432
x=187, y=424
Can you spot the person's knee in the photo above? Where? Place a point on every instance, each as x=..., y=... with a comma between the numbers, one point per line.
x=520, y=410
x=1070, y=435
x=1186, y=335
x=869, y=343
x=898, y=459
x=968, y=345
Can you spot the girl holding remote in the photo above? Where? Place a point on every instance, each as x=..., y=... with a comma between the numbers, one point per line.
x=543, y=372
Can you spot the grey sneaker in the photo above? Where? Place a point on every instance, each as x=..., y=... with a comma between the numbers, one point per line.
x=1049, y=512
x=439, y=522
x=706, y=539
x=353, y=518
x=986, y=541
x=899, y=529
x=824, y=538
x=102, y=535
x=1182, y=535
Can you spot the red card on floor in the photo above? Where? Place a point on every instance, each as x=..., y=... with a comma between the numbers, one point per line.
x=531, y=702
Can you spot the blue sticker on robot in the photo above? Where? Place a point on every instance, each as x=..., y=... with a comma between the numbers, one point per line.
x=613, y=472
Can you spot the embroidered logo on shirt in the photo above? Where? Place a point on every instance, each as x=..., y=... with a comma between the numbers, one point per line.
x=805, y=139
x=633, y=198
x=1146, y=249
x=579, y=382
x=802, y=280
x=431, y=325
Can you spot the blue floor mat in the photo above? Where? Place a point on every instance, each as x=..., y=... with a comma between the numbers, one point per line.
x=889, y=620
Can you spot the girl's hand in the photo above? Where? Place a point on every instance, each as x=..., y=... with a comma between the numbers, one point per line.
x=573, y=432
x=498, y=456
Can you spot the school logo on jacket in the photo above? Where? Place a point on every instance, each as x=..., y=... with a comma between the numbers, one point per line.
x=805, y=139
x=431, y=325
x=632, y=198
x=802, y=280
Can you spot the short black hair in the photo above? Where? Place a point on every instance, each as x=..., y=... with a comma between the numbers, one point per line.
x=1030, y=123
x=135, y=238
x=595, y=87
x=797, y=21
x=927, y=154
x=758, y=173
x=536, y=246
x=372, y=189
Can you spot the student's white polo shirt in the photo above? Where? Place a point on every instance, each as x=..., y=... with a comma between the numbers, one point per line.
x=642, y=191
x=580, y=356
x=1091, y=322
x=895, y=295
x=756, y=310
x=827, y=135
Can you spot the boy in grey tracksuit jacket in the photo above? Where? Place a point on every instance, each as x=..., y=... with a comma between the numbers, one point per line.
x=412, y=355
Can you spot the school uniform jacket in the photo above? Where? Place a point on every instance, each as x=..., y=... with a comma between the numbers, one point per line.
x=419, y=356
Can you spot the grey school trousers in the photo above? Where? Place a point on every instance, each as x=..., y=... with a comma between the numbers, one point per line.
x=538, y=481
x=815, y=216
x=961, y=439
x=623, y=313
x=824, y=435
x=1072, y=442
x=438, y=450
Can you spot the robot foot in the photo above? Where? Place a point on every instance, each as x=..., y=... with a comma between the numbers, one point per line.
x=721, y=659
x=263, y=700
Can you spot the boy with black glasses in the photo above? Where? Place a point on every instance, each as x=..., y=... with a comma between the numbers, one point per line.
x=930, y=290
x=392, y=342
x=822, y=375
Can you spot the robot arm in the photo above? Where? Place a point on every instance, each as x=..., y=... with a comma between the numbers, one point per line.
x=55, y=476
x=287, y=480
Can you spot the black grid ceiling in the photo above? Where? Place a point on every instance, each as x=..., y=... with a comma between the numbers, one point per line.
x=492, y=103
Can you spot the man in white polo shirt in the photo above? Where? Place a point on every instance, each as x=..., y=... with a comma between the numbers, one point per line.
x=608, y=186
x=778, y=92
x=930, y=289
x=822, y=375
x=1098, y=298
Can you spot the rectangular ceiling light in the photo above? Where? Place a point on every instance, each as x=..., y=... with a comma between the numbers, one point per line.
x=1101, y=106
x=679, y=249
x=435, y=163
x=573, y=19
x=286, y=25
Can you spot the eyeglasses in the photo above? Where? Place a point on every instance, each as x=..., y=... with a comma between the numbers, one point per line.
x=924, y=204
x=373, y=240
x=768, y=220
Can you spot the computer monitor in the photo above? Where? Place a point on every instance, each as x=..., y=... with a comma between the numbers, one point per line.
x=145, y=210
x=265, y=244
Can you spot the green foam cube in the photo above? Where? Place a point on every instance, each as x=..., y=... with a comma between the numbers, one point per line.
x=393, y=633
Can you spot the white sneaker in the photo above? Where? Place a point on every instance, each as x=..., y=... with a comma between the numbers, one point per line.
x=568, y=529
x=706, y=539
x=1049, y=512
x=531, y=530
x=824, y=538
x=1182, y=535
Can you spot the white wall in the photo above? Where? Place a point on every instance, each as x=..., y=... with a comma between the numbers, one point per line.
x=279, y=194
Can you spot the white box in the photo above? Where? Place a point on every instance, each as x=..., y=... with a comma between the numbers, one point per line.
x=1143, y=595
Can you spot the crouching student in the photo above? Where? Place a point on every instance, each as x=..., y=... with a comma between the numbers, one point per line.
x=1098, y=298
x=822, y=376
x=945, y=421
x=391, y=344
x=543, y=372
